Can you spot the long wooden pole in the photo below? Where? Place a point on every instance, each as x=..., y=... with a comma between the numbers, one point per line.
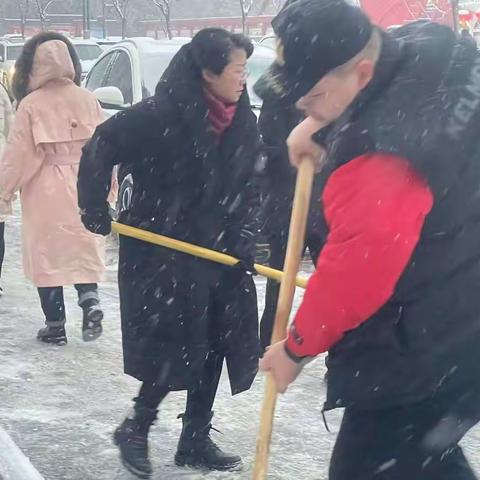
x=296, y=241
x=196, y=251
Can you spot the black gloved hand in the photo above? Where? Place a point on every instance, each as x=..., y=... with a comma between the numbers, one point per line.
x=97, y=221
x=246, y=266
x=244, y=250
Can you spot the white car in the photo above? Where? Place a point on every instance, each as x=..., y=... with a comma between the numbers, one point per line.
x=107, y=43
x=10, y=49
x=269, y=41
x=88, y=52
x=130, y=71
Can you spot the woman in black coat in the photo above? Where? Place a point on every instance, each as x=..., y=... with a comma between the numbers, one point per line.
x=192, y=150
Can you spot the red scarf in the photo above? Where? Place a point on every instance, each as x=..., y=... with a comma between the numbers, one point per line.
x=219, y=113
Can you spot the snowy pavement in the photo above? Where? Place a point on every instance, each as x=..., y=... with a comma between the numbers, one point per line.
x=13, y=462
x=61, y=405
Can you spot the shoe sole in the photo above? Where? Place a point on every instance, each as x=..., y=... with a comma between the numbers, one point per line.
x=185, y=461
x=91, y=334
x=60, y=342
x=128, y=466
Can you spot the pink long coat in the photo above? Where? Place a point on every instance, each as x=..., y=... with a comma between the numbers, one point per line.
x=41, y=161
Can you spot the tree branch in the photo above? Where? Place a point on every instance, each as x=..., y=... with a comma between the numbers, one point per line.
x=278, y=4
x=120, y=9
x=248, y=6
x=164, y=6
x=263, y=7
x=23, y=6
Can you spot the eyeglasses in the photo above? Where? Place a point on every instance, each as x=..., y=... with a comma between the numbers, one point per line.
x=241, y=75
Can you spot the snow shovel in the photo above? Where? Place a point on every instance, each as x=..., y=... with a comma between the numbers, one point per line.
x=296, y=240
x=196, y=251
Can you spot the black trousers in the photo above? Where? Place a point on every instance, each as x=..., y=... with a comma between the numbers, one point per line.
x=278, y=249
x=199, y=400
x=53, y=304
x=2, y=245
x=413, y=442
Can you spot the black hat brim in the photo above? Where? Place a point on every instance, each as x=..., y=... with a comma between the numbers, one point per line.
x=279, y=84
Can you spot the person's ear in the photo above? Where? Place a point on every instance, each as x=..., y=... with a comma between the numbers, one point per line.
x=208, y=76
x=365, y=70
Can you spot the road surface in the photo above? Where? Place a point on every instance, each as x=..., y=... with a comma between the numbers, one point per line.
x=61, y=405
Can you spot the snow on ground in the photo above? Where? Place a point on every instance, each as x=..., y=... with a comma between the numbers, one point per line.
x=13, y=463
x=61, y=405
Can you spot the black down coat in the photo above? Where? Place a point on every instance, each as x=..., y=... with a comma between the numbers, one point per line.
x=190, y=186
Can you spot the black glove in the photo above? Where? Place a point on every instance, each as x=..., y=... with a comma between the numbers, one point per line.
x=245, y=252
x=97, y=221
x=247, y=267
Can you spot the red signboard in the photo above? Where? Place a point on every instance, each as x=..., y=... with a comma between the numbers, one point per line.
x=397, y=12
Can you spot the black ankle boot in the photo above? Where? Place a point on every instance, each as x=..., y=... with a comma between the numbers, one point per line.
x=197, y=449
x=132, y=439
x=53, y=335
x=92, y=316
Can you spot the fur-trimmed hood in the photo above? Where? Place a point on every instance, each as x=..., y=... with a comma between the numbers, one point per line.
x=21, y=84
x=51, y=62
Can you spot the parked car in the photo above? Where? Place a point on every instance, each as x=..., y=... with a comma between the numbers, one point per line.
x=107, y=43
x=131, y=69
x=269, y=41
x=10, y=49
x=88, y=52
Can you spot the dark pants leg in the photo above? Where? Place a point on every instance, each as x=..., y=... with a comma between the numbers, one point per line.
x=200, y=399
x=415, y=442
x=87, y=294
x=53, y=305
x=278, y=247
x=2, y=245
x=314, y=244
x=151, y=395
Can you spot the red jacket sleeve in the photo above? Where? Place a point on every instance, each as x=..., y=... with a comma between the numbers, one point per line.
x=375, y=207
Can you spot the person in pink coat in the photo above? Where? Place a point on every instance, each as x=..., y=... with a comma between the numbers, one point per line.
x=54, y=120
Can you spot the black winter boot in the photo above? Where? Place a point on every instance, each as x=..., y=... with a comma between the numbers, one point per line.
x=92, y=316
x=55, y=335
x=132, y=439
x=197, y=449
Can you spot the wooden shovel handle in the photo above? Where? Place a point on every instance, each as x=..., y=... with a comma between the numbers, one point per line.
x=295, y=248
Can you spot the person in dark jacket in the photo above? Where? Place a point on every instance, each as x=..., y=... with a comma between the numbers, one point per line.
x=468, y=38
x=192, y=150
x=276, y=122
x=394, y=299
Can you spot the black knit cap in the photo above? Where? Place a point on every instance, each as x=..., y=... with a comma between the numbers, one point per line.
x=315, y=37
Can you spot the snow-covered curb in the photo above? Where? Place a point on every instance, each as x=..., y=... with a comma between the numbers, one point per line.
x=14, y=465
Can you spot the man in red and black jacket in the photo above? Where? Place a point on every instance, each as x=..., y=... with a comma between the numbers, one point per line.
x=395, y=299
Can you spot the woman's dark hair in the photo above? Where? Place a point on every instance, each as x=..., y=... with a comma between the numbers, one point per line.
x=211, y=48
x=24, y=64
